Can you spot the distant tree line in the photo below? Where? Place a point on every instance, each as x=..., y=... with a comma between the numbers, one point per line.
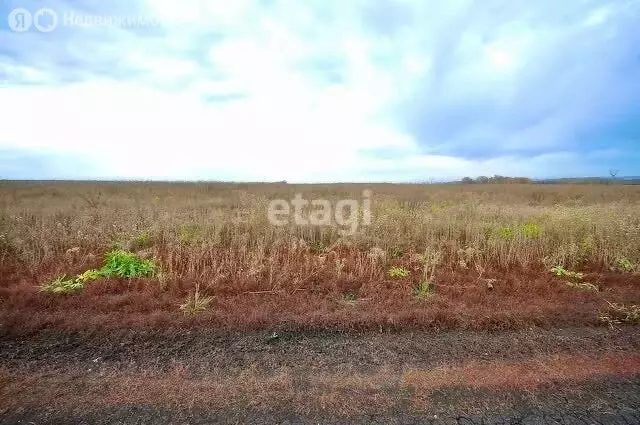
x=566, y=180
x=496, y=179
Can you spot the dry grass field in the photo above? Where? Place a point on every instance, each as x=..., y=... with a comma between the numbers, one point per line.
x=442, y=255
x=184, y=303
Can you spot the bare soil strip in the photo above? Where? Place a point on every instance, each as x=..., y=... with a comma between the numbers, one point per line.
x=340, y=392
x=204, y=350
x=209, y=377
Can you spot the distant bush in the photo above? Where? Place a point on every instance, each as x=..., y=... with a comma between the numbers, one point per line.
x=496, y=179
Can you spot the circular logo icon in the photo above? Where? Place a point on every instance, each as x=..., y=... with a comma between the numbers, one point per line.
x=45, y=20
x=20, y=20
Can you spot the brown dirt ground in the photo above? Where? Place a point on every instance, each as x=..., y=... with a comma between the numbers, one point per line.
x=579, y=374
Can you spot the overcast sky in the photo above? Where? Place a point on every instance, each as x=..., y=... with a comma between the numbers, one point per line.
x=319, y=90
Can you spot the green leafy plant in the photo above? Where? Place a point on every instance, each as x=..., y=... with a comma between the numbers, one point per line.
x=398, y=272
x=586, y=247
x=141, y=241
x=530, y=230
x=118, y=263
x=423, y=290
x=195, y=303
x=89, y=275
x=187, y=234
x=396, y=252
x=61, y=285
x=505, y=233
x=583, y=286
x=562, y=272
x=349, y=299
x=121, y=263
x=623, y=264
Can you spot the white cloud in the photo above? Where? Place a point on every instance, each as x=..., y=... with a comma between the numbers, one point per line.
x=136, y=132
x=311, y=90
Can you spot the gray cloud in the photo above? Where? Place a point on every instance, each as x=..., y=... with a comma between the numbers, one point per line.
x=573, y=80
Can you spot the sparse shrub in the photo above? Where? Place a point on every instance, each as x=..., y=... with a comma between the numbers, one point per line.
x=317, y=246
x=72, y=253
x=195, y=303
x=562, y=272
x=426, y=287
x=377, y=254
x=620, y=313
x=506, y=233
x=537, y=197
x=61, y=285
x=490, y=283
x=89, y=275
x=423, y=290
x=530, y=230
x=583, y=286
x=398, y=272
x=587, y=247
x=396, y=252
x=624, y=265
x=187, y=234
x=141, y=241
x=467, y=256
x=349, y=299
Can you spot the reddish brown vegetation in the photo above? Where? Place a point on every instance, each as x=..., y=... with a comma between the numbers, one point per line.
x=259, y=275
x=460, y=300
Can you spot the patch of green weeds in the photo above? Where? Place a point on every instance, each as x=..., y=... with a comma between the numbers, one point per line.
x=396, y=252
x=530, y=230
x=506, y=233
x=526, y=231
x=118, y=263
x=62, y=285
x=423, y=290
x=574, y=277
x=187, y=234
x=560, y=271
x=349, y=299
x=624, y=265
x=89, y=275
x=141, y=241
x=121, y=263
x=398, y=272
